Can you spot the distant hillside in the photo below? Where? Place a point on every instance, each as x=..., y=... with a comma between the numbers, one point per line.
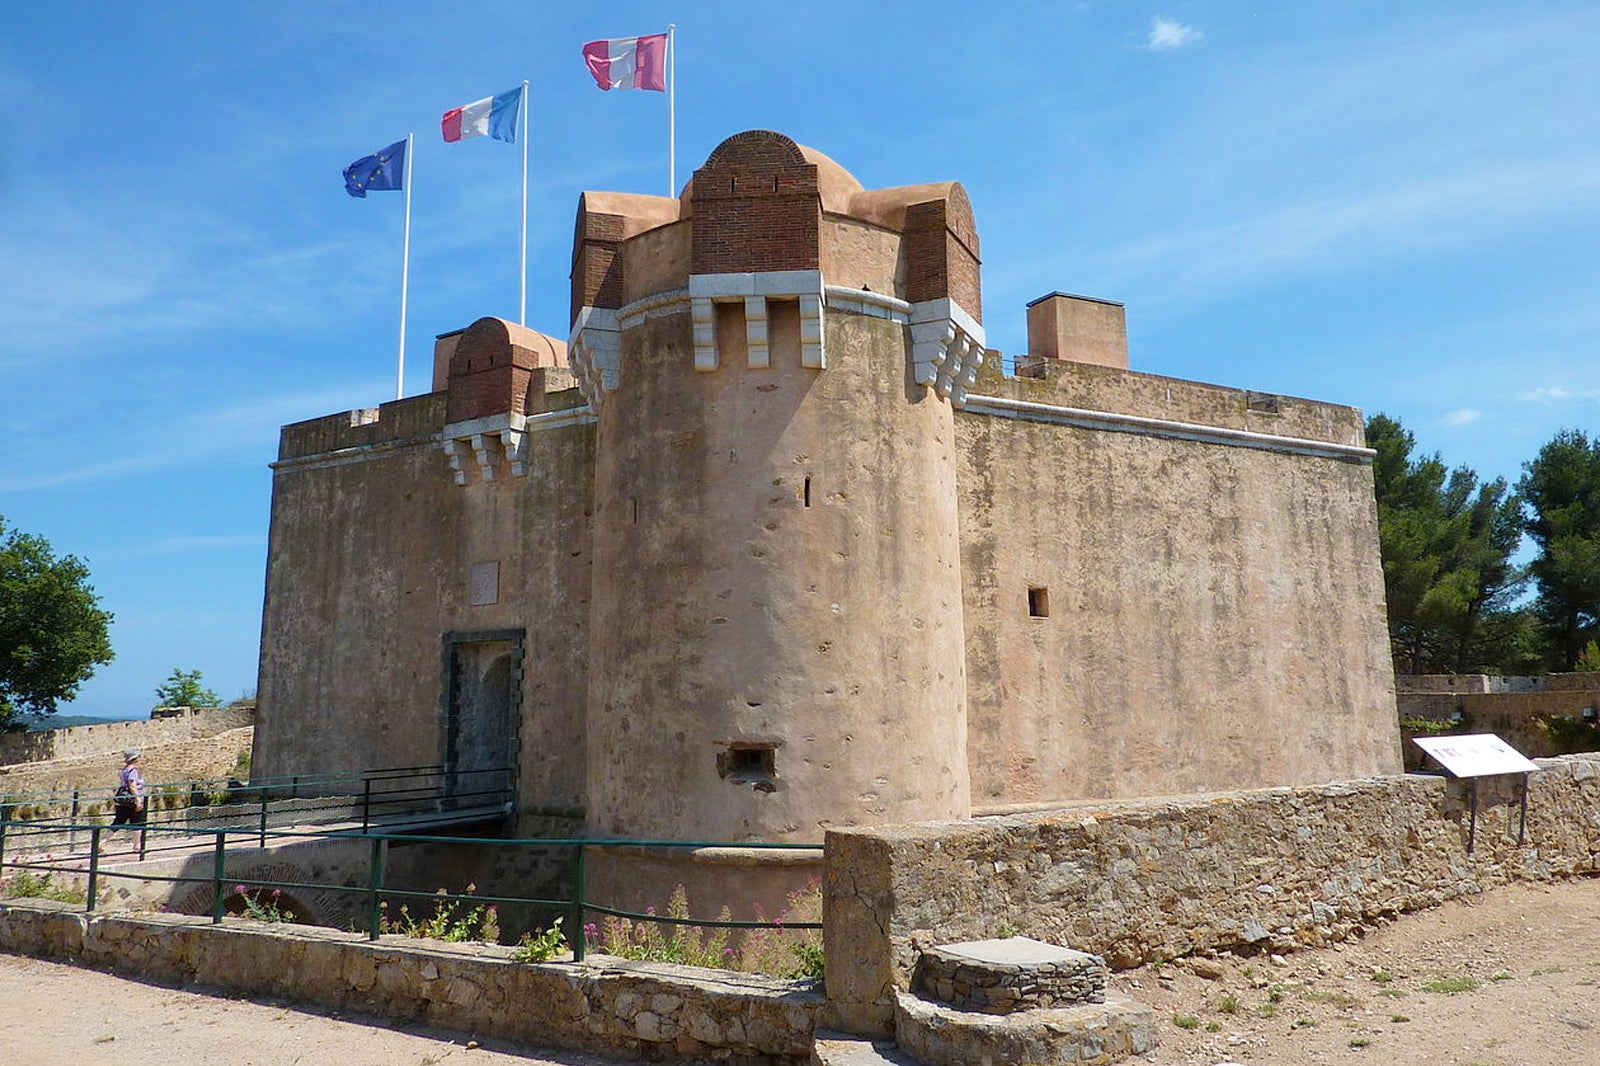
x=67, y=721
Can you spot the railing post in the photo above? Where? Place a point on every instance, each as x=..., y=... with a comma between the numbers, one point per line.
x=294, y=786
x=263, y=817
x=94, y=869
x=366, y=804
x=380, y=851
x=575, y=937
x=72, y=823
x=5, y=820
x=218, y=868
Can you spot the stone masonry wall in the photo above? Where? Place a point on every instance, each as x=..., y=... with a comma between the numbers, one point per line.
x=113, y=737
x=641, y=1010
x=1145, y=880
x=200, y=759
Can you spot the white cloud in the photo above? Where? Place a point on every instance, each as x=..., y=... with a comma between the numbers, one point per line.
x=1560, y=394
x=1461, y=417
x=1168, y=35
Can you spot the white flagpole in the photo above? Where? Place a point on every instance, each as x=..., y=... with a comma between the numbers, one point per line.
x=405, y=270
x=522, y=271
x=672, y=112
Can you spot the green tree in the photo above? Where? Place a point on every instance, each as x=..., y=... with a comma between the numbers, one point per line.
x=52, y=630
x=1446, y=542
x=1561, y=487
x=183, y=689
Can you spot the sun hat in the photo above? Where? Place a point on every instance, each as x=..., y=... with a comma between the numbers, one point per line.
x=130, y=755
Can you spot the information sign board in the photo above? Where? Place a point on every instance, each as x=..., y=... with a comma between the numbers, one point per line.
x=1476, y=755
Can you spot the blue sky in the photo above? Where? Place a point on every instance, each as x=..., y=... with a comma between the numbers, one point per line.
x=1387, y=205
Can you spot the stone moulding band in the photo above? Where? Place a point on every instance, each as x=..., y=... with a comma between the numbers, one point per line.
x=1028, y=411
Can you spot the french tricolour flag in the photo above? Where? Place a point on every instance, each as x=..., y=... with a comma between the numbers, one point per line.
x=629, y=62
x=493, y=115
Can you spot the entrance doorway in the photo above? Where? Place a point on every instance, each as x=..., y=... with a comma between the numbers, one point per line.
x=482, y=685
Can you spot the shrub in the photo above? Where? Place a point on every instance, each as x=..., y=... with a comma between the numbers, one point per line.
x=447, y=922
x=1186, y=1021
x=26, y=884
x=261, y=905
x=541, y=947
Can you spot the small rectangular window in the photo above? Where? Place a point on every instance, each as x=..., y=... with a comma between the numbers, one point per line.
x=1039, y=603
x=749, y=764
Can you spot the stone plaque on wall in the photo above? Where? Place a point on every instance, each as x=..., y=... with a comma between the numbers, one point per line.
x=484, y=584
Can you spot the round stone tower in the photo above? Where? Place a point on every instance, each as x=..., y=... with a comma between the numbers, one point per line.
x=776, y=623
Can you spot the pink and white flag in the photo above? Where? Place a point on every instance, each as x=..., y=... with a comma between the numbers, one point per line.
x=629, y=62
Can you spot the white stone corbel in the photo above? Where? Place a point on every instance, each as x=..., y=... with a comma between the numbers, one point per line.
x=456, y=452
x=755, y=332
x=513, y=443
x=483, y=447
x=703, y=314
x=754, y=290
x=813, y=356
x=594, y=352
x=947, y=346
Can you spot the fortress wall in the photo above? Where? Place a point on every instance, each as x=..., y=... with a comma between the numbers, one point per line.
x=381, y=544
x=1202, y=598
x=1139, y=881
x=115, y=737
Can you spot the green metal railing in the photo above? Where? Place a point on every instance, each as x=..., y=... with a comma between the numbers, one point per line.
x=369, y=797
x=377, y=891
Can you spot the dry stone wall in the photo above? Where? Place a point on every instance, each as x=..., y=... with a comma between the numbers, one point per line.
x=1266, y=870
x=641, y=1010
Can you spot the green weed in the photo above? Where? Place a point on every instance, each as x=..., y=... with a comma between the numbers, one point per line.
x=1451, y=985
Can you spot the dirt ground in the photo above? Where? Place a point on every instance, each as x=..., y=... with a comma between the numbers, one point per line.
x=1511, y=978
x=55, y=1015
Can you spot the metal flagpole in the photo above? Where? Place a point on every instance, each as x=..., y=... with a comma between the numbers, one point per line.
x=405, y=270
x=522, y=272
x=672, y=111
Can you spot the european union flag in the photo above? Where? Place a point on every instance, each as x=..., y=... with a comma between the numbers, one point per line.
x=382, y=170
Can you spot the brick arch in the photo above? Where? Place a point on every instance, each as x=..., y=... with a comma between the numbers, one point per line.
x=311, y=906
x=759, y=148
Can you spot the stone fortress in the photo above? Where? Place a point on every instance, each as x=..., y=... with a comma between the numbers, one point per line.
x=771, y=543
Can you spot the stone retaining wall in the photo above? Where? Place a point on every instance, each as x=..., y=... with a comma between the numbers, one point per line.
x=1140, y=881
x=190, y=723
x=641, y=1010
x=195, y=759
